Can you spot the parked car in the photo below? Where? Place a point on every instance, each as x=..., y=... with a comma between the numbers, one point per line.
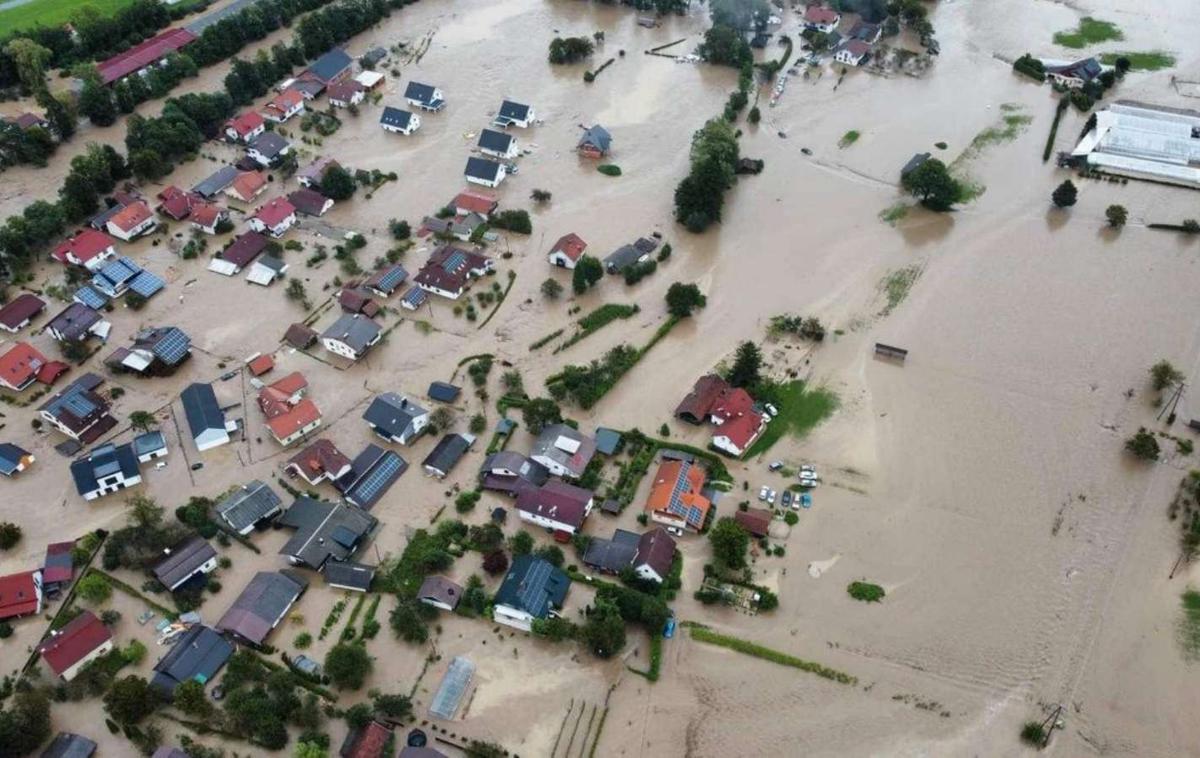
x=675, y=530
x=669, y=628
x=807, y=467
x=805, y=500
x=762, y=494
x=775, y=465
x=785, y=499
x=809, y=484
x=808, y=476
x=771, y=409
x=197, y=466
x=771, y=497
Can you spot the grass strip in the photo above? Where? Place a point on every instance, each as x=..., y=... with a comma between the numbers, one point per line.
x=500, y=300
x=546, y=340
x=705, y=634
x=128, y=590
x=651, y=674
x=1152, y=60
x=1189, y=625
x=1090, y=31
x=597, y=320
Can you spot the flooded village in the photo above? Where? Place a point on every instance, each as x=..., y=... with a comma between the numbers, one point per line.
x=433, y=406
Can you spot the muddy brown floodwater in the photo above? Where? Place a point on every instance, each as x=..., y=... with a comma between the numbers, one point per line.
x=982, y=484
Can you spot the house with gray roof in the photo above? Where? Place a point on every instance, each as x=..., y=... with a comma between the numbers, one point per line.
x=440, y=592
x=399, y=121
x=511, y=473
x=216, y=182
x=512, y=113
x=396, y=419
x=268, y=148
x=486, y=172
x=564, y=450
x=69, y=745
x=424, y=96
x=106, y=469
x=150, y=445
x=249, y=506
x=595, y=142
x=650, y=555
x=534, y=588
x=347, y=575
x=448, y=452
x=262, y=605
x=497, y=144
x=197, y=656
x=325, y=532
x=351, y=336
x=184, y=561
x=627, y=255
x=205, y=418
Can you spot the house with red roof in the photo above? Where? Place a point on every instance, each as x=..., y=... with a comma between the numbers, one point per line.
x=245, y=126
x=556, y=505
x=320, y=461
x=310, y=202
x=345, y=94
x=677, y=495
x=290, y=415
x=143, y=55
x=247, y=186
x=19, y=366
x=697, y=405
x=243, y=250
x=18, y=312
x=367, y=742
x=260, y=364
x=20, y=594
x=274, y=218
x=567, y=251
x=448, y=270
x=89, y=248
x=473, y=202
x=66, y=651
x=756, y=521
x=58, y=567
x=175, y=203
x=207, y=217
x=131, y=221
x=736, y=435
x=852, y=52
x=283, y=106
x=818, y=18
x=731, y=403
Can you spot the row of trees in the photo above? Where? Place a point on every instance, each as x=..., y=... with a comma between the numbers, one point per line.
x=701, y=194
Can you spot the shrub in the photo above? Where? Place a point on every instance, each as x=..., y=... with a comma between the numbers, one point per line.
x=609, y=169
x=551, y=289
x=94, y=589
x=514, y=221
x=495, y=562
x=570, y=49
x=1064, y=195
x=303, y=640
x=466, y=501
x=347, y=665
x=10, y=535
x=866, y=592
x=1033, y=734
x=1116, y=215
x=1143, y=445
x=791, y=519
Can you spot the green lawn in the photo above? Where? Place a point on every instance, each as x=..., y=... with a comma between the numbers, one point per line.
x=800, y=410
x=1189, y=626
x=1089, y=32
x=52, y=12
x=1146, y=61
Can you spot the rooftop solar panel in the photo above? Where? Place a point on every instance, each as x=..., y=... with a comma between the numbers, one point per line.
x=173, y=347
x=77, y=403
x=455, y=261
x=371, y=487
x=415, y=297
x=146, y=284
x=91, y=297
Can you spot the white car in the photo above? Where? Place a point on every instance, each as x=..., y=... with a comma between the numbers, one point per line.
x=771, y=497
x=810, y=483
x=809, y=476
x=808, y=468
x=678, y=532
x=762, y=494
x=771, y=409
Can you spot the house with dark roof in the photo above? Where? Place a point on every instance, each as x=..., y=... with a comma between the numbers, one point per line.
x=184, y=561
x=511, y=473
x=372, y=473
x=244, y=249
x=143, y=55
x=497, y=144
x=399, y=121
x=106, y=469
x=564, y=450
x=567, y=250
x=395, y=418
x=440, y=592
x=485, y=172
x=69, y=745
x=14, y=459
x=67, y=650
x=149, y=445
x=76, y=323
x=596, y=142
x=612, y=556
x=756, y=521
x=852, y=52
x=677, y=495
x=324, y=532
x=446, y=454
x=20, y=594
x=332, y=67
x=532, y=589
x=313, y=174
x=268, y=148
x=78, y=411
x=347, y=575
x=449, y=269
x=205, y=418
x=556, y=506
x=372, y=57
x=627, y=255
x=262, y=605
x=300, y=336
x=424, y=96
x=1075, y=74
x=310, y=202
x=443, y=392
x=157, y=351
x=351, y=336
x=346, y=94
x=386, y=280
x=197, y=656
x=320, y=461
x=19, y=312
x=354, y=299
x=512, y=113
x=58, y=567
x=865, y=31
x=216, y=182
x=248, y=506
x=697, y=405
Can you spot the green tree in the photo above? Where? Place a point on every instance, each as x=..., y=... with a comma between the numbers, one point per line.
x=190, y=699
x=521, y=543
x=96, y=102
x=570, y=49
x=1116, y=215
x=539, y=413
x=1064, y=195
x=347, y=665
x=409, y=620
x=1163, y=375
x=25, y=724
x=682, y=299
x=604, y=630
x=729, y=541
x=933, y=185
x=338, y=184
x=588, y=271
x=130, y=699
x=397, y=707
x=142, y=420
x=747, y=363
x=310, y=750
x=144, y=511
x=477, y=424
x=30, y=60
x=725, y=46
x=60, y=113
x=94, y=589
x=1143, y=445
x=551, y=289
x=551, y=553
x=10, y=535
x=739, y=14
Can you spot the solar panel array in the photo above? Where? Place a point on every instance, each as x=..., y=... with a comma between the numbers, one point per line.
x=415, y=297
x=173, y=347
x=146, y=284
x=455, y=261
x=119, y=270
x=75, y=402
x=392, y=278
x=382, y=475
x=691, y=514
x=91, y=297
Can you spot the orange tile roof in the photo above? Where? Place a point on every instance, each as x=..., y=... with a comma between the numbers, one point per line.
x=131, y=215
x=662, y=491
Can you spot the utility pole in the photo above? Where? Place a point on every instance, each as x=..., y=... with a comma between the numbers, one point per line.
x=1173, y=404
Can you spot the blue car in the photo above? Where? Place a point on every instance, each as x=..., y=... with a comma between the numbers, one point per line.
x=805, y=500
x=669, y=629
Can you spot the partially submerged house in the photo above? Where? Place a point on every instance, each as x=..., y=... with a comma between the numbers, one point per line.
x=14, y=459
x=596, y=142
x=290, y=414
x=677, y=496
x=143, y=55
x=105, y=470
x=248, y=506
x=246, y=186
x=78, y=322
x=485, y=172
x=67, y=650
x=386, y=280
x=216, y=182
x=567, y=251
x=399, y=121
x=20, y=366
x=245, y=127
x=627, y=255
x=188, y=559
x=310, y=202
x=446, y=454
x=205, y=418
x=511, y=473
x=243, y=250
x=132, y=221
x=534, y=588
x=497, y=144
x=351, y=336
x=20, y=594
x=424, y=96
x=372, y=473
x=320, y=461
x=313, y=174
x=852, y=52
x=156, y=351
x=283, y=106
x=512, y=113
x=818, y=18
x=345, y=94
x=20, y=311
x=649, y=555
x=263, y=603
x=1076, y=74
x=268, y=149
x=325, y=532
x=449, y=269
x=467, y=202
x=396, y=419
x=1143, y=141
x=78, y=411
x=149, y=446
x=69, y=745
x=197, y=656
x=58, y=567
x=563, y=450
x=556, y=506
x=440, y=592
x=347, y=575
x=88, y=248
x=274, y=218
x=756, y=521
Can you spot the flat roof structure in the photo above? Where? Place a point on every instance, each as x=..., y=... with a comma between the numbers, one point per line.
x=1144, y=141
